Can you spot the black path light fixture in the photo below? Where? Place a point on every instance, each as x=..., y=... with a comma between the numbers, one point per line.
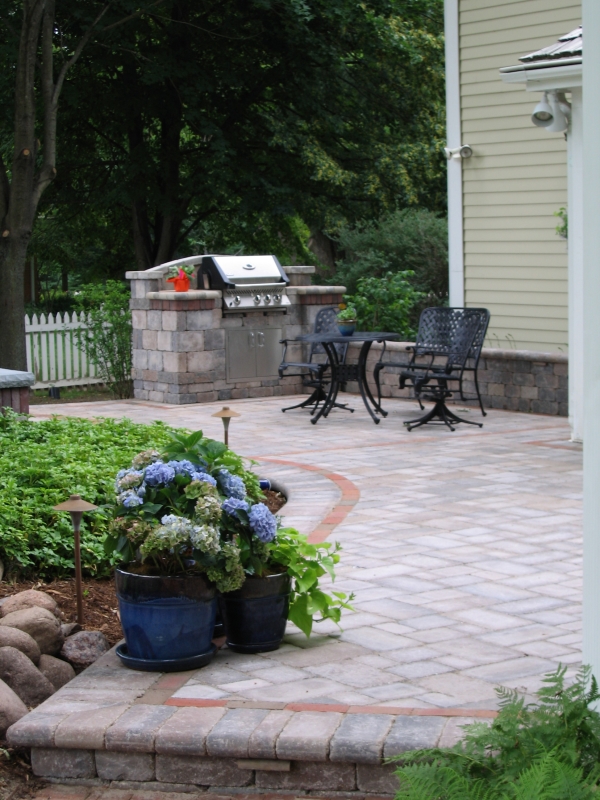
x=76, y=506
x=226, y=414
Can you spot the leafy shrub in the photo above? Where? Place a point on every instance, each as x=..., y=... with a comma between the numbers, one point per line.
x=386, y=303
x=409, y=239
x=41, y=464
x=548, y=750
x=107, y=339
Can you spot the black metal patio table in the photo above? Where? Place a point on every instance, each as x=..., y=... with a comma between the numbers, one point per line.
x=341, y=373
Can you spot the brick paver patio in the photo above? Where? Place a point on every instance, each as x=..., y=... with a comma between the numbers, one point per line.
x=463, y=550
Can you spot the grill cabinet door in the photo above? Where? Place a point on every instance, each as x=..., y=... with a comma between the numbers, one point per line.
x=241, y=354
x=268, y=352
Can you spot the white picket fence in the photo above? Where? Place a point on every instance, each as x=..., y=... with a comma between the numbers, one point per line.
x=53, y=354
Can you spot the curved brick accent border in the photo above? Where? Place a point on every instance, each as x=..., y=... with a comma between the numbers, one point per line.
x=350, y=496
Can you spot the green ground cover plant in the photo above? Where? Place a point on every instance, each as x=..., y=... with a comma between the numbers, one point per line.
x=546, y=750
x=41, y=464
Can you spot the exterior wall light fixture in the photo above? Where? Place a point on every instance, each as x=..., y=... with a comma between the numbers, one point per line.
x=457, y=153
x=552, y=112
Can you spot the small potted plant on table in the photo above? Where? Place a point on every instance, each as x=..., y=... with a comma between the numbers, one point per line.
x=346, y=319
x=180, y=277
x=190, y=523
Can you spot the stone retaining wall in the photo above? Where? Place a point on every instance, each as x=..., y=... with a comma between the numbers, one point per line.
x=14, y=390
x=516, y=380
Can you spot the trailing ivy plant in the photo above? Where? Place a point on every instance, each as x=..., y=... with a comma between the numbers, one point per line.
x=546, y=750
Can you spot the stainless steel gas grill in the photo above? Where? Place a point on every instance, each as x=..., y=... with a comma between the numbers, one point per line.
x=248, y=283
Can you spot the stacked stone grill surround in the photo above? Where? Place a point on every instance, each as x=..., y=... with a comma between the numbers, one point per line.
x=110, y=725
x=179, y=345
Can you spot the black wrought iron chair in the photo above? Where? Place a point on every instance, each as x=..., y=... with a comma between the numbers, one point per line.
x=474, y=356
x=314, y=371
x=445, y=341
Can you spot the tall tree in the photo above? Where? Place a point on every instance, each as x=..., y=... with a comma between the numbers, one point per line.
x=216, y=111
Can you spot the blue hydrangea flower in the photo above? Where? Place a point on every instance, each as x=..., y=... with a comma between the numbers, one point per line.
x=169, y=518
x=232, y=504
x=183, y=467
x=204, y=476
x=159, y=473
x=129, y=499
x=262, y=522
x=128, y=479
x=232, y=485
x=141, y=490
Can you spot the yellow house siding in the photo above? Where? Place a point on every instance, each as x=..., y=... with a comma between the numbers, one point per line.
x=515, y=264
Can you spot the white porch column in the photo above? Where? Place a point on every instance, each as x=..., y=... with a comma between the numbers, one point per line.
x=591, y=333
x=453, y=139
x=575, y=245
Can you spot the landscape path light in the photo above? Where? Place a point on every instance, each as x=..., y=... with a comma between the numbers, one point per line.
x=76, y=506
x=226, y=414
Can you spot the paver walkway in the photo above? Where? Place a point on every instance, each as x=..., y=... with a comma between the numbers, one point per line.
x=463, y=550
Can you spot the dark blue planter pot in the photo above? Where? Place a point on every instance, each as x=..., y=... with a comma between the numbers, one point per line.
x=255, y=616
x=346, y=328
x=166, y=617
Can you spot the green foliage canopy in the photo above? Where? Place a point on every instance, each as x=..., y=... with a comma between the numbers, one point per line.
x=198, y=117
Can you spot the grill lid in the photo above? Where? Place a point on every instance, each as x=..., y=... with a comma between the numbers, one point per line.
x=229, y=272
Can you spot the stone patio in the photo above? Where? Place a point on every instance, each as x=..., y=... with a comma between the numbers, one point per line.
x=464, y=553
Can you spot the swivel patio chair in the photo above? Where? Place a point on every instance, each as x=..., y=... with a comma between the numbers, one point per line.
x=474, y=356
x=314, y=372
x=445, y=341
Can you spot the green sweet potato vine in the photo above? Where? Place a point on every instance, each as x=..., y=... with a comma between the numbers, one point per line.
x=41, y=464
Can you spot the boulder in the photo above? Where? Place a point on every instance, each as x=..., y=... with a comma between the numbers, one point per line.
x=69, y=628
x=39, y=624
x=82, y=649
x=26, y=681
x=12, y=708
x=30, y=599
x=58, y=672
x=13, y=637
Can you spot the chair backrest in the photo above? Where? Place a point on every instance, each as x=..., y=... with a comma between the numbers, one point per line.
x=449, y=333
x=326, y=322
x=484, y=321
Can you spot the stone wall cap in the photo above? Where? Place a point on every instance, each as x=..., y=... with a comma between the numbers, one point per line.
x=297, y=270
x=193, y=294
x=13, y=378
x=316, y=290
x=489, y=352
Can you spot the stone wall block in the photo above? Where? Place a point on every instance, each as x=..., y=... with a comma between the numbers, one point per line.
x=186, y=341
x=229, y=737
x=149, y=339
x=201, y=771
x=544, y=407
x=542, y=367
x=185, y=732
x=413, y=733
x=136, y=729
x=263, y=739
x=60, y=763
x=155, y=320
x=176, y=320
x=140, y=359
x=125, y=766
x=496, y=390
x=155, y=360
x=529, y=392
x=379, y=780
x=139, y=319
x=360, y=738
x=305, y=774
x=174, y=362
x=203, y=361
x=165, y=341
x=83, y=730
x=561, y=369
x=546, y=380
x=307, y=735
x=214, y=339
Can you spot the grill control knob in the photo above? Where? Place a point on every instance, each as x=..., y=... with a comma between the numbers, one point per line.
x=277, y=298
x=267, y=298
x=256, y=299
x=237, y=300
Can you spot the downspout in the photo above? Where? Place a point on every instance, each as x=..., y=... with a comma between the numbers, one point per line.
x=453, y=139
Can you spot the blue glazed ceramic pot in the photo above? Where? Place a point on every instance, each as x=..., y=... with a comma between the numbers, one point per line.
x=346, y=328
x=255, y=615
x=166, y=617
